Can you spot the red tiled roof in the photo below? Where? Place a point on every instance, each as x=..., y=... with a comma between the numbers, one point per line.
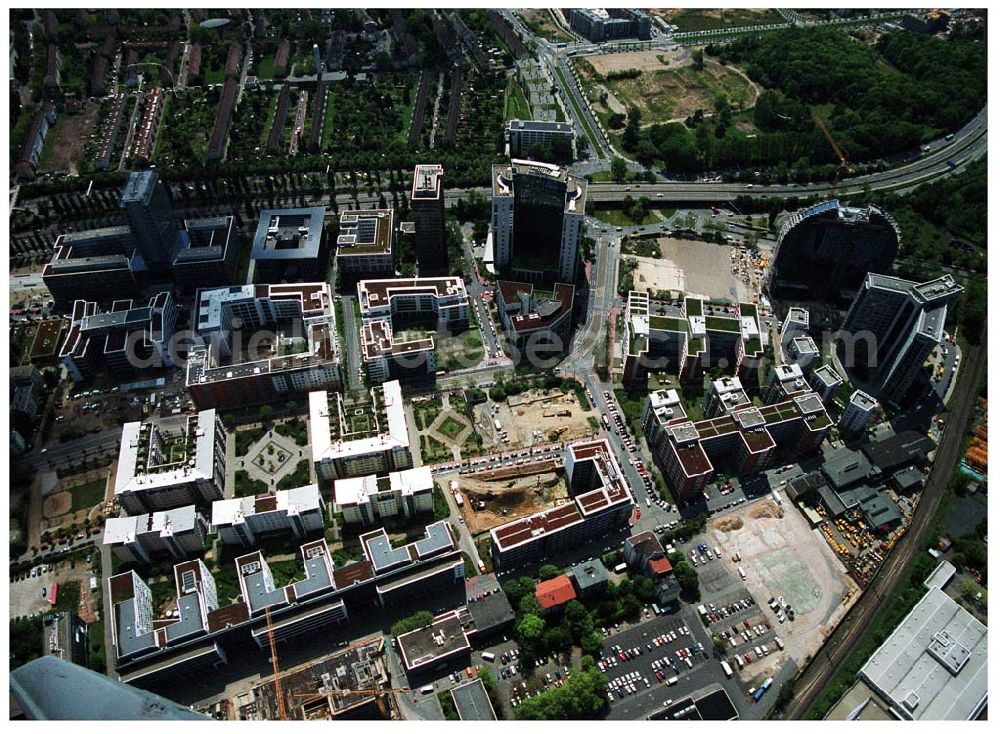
x=660, y=565
x=555, y=592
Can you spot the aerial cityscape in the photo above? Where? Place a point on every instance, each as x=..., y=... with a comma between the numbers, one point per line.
x=498, y=364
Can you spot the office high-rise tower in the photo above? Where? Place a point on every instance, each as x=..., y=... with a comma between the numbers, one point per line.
x=427, y=205
x=538, y=211
x=150, y=214
x=892, y=327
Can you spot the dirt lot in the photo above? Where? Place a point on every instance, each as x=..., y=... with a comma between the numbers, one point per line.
x=653, y=60
x=490, y=501
x=669, y=88
x=694, y=267
x=65, y=151
x=26, y=598
x=783, y=557
x=546, y=26
x=535, y=417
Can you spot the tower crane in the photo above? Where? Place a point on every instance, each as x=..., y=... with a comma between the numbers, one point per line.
x=278, y=693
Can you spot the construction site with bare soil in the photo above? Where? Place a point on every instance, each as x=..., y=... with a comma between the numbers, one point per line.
x=534, y=417
x=496, y=496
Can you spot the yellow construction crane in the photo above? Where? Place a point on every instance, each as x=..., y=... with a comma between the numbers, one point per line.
x=279, y=695
x=844, y=163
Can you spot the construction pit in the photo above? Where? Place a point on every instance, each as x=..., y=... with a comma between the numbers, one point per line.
x=496, y=496
x=534, y=417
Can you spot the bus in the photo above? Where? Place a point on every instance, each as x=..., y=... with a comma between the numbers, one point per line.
x=949, y=137
x=758, y=694
x=726, y=669
x=743, y=574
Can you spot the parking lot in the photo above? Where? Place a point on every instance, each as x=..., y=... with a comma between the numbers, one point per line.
x=780, y=556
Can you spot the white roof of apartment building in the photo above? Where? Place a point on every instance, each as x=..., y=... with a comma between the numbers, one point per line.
x=357, y=490
x=198, y=466
x=392, y=435
x=289, y=501
x=163, y=523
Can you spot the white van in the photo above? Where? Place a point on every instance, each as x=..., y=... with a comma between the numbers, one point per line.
x=718, y=553
x=489, y=657
x=743, y=574
x=779, y=643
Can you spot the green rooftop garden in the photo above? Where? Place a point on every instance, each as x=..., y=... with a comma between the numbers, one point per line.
x=667, y=323
x=692, y=306
x=748, y=309
x=753, y=345
x=717, y=323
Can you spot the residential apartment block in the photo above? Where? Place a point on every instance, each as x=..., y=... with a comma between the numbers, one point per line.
x=366, y=242
x=743, y=442
x=366, y=500
x=179, y=533
x=524, y=135
x=350, y=439
x=601, y=501
x=263, y=341
x=700, y=336
x=247, y=520
x=161, y=469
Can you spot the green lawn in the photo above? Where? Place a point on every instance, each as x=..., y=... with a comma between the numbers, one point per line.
x=433, y=451
x=88, y=495
x=691, y=19
x=298, y=478
x=451, y=427
x=517, y=107
x=579, y=116
x=265, y=69
x=618, y=218
x=245, y=486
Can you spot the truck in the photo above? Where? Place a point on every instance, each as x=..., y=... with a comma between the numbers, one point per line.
x=649, y=502
x=93, y=583
x=496, y=424
x=743, y=574
x=489, y=657
x=758, y=694
x=726, y=669
x=779, y=643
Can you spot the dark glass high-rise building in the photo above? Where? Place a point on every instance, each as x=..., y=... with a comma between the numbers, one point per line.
x=427, y=206
x=824, y=253
x=150, y=214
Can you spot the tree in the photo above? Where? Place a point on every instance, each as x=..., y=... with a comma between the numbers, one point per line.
x=577, y=618
x=582, y=696
x=529, y=631
x=698, y=59
x=266, y=412
x=413, y=622
x=619, y=169
x=558, y=639
x=548, y=571
x=687, y=577
x=529, y=605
